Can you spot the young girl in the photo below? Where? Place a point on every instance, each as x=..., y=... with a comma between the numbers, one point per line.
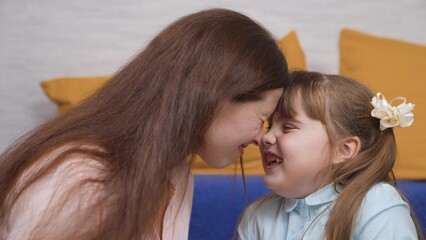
x=118, y=165
x=328, y=157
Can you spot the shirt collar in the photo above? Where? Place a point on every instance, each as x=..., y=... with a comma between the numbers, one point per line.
x=324, y=195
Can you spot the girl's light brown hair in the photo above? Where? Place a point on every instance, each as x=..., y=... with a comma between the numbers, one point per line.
x=343, y=106
x=150, y=119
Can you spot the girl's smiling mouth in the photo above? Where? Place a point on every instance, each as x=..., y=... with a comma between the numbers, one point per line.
x=271, y=160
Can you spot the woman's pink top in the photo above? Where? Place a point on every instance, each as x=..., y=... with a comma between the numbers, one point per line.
x=49, y=192
x=178, y=213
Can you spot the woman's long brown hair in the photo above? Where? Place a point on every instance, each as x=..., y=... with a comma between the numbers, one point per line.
x=343, y=106
x=151, y=117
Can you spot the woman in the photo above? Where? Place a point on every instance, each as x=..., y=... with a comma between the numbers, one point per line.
x=118, y=165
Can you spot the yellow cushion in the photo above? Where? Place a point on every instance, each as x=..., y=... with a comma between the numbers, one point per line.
x=69, y=91
x=395, y=68
x=293, y=52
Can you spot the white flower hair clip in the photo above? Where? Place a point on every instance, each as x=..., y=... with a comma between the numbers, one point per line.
x=392, y=116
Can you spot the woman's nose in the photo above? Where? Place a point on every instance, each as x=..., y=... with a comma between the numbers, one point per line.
x=258, y=139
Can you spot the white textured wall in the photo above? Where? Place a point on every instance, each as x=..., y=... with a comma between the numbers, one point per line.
x=43, y=39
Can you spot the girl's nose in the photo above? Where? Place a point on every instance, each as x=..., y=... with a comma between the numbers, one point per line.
x=268, y=138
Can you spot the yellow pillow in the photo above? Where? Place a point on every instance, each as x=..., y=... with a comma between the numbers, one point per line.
x=293, y=52
x=395, y=68
x=69, y=91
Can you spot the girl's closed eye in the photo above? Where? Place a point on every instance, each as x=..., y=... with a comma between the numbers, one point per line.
x=288, y=128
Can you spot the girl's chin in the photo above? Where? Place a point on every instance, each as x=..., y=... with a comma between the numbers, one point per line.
x=269, y=181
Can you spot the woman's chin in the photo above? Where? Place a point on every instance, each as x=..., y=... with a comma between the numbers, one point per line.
x=219, y=162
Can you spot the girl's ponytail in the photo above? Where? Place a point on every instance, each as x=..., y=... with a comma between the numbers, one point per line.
x=357, y=176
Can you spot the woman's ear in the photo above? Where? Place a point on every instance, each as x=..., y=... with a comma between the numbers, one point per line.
x=347, y=149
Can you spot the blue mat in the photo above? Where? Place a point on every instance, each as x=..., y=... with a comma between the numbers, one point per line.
x=415, y=191
x=220, y=199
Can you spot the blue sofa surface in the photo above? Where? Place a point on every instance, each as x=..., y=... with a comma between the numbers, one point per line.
x=220, y=199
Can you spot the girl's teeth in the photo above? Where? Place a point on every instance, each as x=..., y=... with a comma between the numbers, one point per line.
x=274, y=162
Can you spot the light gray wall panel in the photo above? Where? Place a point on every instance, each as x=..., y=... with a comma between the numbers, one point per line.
x=43, y=39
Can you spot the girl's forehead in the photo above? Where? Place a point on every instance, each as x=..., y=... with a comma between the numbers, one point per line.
x=290, y=105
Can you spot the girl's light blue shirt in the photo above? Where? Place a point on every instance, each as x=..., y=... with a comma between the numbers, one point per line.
x=383, y=215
